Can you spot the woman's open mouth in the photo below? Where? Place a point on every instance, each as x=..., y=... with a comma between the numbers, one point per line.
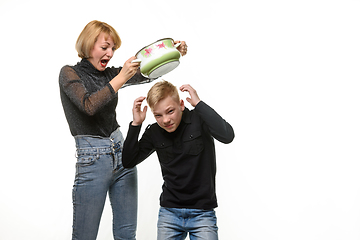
x=104, y=62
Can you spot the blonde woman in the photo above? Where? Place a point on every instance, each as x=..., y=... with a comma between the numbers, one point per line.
x=89, y=95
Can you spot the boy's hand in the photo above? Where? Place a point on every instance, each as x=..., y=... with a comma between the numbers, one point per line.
x=138, y=115
x=194, y=98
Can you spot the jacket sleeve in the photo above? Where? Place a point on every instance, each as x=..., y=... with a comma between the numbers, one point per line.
x=218, y=127
x=134, y=151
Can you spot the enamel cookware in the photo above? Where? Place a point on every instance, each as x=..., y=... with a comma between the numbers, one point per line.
x=158, y=58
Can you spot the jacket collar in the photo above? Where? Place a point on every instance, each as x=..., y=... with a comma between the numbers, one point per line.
x=186, y=117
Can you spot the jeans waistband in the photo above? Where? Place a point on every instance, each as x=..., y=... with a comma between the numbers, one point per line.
x=89, y=141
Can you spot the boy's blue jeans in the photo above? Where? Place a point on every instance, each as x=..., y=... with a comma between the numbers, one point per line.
x=99, y=170
x=175, y=223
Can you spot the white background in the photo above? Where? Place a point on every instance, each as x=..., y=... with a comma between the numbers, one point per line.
x=285, y=74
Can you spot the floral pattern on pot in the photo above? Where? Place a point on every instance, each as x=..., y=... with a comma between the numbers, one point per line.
x=162, y=45
x=147, y=51
x=158, y=58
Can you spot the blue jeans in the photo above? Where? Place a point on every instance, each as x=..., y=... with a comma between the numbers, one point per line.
x=99, y=170
x=175, y=223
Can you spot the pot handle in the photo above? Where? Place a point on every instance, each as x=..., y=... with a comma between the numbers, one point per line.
x=136, y=61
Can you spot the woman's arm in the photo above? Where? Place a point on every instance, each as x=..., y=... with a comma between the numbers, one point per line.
x=91, y=103
x=74, y=88
x=127, y=72
x=137, y=79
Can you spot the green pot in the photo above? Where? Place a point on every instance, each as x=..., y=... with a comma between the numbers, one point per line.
x=158, y=58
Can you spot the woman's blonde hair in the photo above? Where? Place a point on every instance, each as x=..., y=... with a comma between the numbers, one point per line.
x=87, y=38
x=161, y=90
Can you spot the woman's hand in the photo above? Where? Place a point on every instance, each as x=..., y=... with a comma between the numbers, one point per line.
x=182, y=48
x=138, y=115
x=194, y=98
x=128, y=71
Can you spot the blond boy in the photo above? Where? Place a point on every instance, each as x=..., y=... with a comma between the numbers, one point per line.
x=184, y=143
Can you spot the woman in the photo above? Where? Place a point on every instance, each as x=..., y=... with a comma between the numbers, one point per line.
x=89, y=96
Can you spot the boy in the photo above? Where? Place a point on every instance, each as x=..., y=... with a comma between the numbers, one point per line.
x=183, y=141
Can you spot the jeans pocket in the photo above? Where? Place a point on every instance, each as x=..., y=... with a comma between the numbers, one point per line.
x=86, y=158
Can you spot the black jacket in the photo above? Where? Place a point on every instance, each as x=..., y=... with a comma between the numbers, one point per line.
x=187, y=156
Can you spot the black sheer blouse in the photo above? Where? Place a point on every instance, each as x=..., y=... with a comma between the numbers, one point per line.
x=88, y=99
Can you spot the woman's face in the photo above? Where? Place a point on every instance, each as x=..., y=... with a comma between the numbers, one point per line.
x=102, y=52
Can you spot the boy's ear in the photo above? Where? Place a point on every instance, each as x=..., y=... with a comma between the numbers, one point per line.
x=182, y=105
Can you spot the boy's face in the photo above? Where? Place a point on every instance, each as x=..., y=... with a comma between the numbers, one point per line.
x=168, y=113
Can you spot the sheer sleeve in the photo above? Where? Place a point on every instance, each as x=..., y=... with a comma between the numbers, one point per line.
x=74, y=88
x=138, y=79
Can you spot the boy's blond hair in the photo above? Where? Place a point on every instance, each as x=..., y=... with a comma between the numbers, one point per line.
x=87, y=38
x=161, y=90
